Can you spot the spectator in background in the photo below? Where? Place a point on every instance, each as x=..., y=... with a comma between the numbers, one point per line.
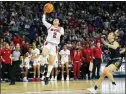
x=12, y=47
x=6, y=60
x=25, y=46
x=1, y=44
x=17, y=60
x=90, y=29
x=97, y=58
x=106, y=24
x=17, y=40
x=8, y=37
x=76, y=60
x=32, y=34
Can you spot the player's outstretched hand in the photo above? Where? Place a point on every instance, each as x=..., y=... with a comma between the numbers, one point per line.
x=45, y=11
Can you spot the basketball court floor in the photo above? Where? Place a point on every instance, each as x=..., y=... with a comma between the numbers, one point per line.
x=63, y=87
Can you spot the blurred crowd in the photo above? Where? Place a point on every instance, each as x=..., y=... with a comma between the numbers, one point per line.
x=84, y=22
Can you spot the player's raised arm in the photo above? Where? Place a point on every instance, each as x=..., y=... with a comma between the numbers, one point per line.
x=48, y=25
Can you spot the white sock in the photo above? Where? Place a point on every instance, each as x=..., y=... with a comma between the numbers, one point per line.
x=25, y=77
x=42, y=64
x=67, y=75
x=55, y=77
x=50, y=67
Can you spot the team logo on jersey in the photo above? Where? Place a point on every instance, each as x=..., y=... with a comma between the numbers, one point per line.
x=117, y=63
x=46, y=43
x=55, y=30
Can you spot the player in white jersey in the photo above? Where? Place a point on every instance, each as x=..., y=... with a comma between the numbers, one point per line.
x=26, y=64
x=55, y=66
x=51, y=43
x=36, y=61
x=65, y=56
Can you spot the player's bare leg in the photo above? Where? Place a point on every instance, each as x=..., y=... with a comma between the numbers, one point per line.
x=67, y=70
x=25, y=74
x=56, y=73
x=52, y=73
x=62, y=72
x=38, y=69
x=107, y=72
x=50, y=67
x=34, y=74
x=44, y=54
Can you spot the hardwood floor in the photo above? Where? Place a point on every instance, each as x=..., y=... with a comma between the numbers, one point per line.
x=63, y=87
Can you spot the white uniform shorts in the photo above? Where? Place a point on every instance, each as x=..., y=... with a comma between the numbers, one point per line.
x=53, y=48
x=36, y=62
x=55, y=65
x=64, y=61
x=26, y=62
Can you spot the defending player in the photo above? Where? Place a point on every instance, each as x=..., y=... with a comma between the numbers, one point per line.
x=113, y=64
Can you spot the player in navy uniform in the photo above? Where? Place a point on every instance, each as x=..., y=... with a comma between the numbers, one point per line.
x=113, y=64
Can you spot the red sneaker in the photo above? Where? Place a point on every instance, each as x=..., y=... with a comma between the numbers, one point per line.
x=38, y=79
x=34, y=79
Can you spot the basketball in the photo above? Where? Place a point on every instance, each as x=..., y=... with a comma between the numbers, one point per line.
x=48, y=7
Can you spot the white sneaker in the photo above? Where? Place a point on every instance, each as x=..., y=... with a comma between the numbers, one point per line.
x=67, y=79
x=25, y=79
x=42, y=78
x=114, y=88
x=92, y=90
x=62, y=79
x=55, y=79
x=52, y=79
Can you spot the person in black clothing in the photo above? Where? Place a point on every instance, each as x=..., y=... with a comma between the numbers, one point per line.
x=113, y=64
x=17, y=59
